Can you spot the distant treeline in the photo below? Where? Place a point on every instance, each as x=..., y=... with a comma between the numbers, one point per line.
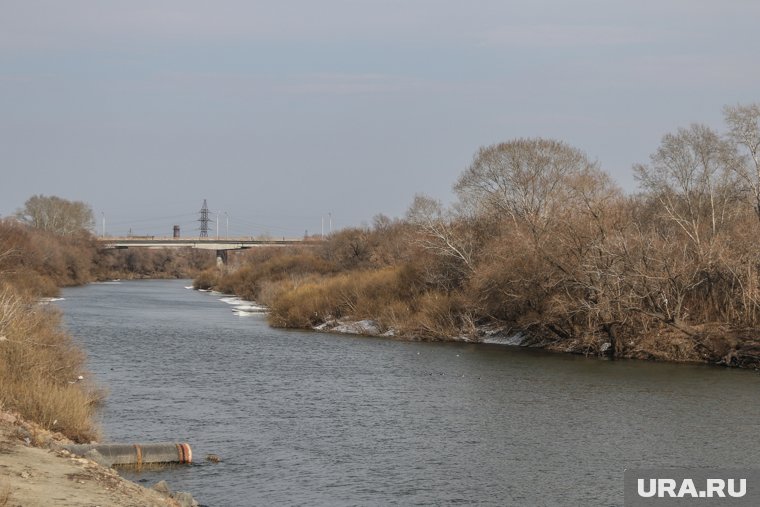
x=541, y=242
x=39, y=261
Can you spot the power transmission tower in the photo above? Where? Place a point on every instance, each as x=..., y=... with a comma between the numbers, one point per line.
x=204, y=220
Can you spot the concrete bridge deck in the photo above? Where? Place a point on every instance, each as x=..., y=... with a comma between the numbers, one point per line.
x=220, y=245
x=200, y=243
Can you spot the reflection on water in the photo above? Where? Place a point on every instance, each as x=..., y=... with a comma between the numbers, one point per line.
x=317, y=419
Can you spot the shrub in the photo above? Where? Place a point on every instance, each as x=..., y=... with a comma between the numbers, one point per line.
x=205, y=279
x=40, y=367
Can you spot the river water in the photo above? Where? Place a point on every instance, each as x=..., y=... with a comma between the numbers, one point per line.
x=302, y=418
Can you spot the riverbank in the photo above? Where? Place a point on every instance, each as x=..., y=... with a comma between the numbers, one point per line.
x=384, y=276
x=35, y=471
x=711, y=344
x=715, y=346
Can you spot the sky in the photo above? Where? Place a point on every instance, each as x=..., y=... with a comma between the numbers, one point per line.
x=282, y=114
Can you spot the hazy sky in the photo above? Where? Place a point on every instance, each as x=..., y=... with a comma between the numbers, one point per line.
x=280, y=112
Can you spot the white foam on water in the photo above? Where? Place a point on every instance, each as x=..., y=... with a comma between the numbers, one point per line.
x=189, y=287
x=231, y=300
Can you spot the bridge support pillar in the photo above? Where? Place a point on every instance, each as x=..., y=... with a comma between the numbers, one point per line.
x=221, y=258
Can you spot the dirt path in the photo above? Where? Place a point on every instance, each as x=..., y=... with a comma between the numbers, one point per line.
x=31, y=477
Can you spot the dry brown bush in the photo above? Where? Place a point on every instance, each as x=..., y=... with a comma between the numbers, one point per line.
x=384, y=295
x=27, y=254
x=40, y=367
x=440, y=316
x=206, y=279
x=359, y=295
x=152, y=263
x=255, y=269
x=301, y=307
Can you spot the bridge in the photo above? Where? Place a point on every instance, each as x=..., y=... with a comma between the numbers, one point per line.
x=221, y=245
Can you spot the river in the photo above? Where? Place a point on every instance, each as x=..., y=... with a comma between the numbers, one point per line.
x=303, y=418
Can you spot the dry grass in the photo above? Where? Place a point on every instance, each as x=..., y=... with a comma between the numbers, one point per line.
x=303, y=290
x=305, y=303
x=5, y=493
x=382, y=295
x=205, y=279
x=260, y=268
x=40, y=367
x=439, y=316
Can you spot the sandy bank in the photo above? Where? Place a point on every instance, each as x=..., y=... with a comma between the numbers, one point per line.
x=34, y=473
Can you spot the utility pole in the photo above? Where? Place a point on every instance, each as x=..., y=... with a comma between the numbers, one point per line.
x=104, y=223
x=227, y=216
x=217, y=225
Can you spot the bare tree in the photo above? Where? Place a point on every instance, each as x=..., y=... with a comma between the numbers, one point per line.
x=660, y=275
x=524, y=179
x=56, y=215
x=744, y=130
x=690, y=176
x=439, y=233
